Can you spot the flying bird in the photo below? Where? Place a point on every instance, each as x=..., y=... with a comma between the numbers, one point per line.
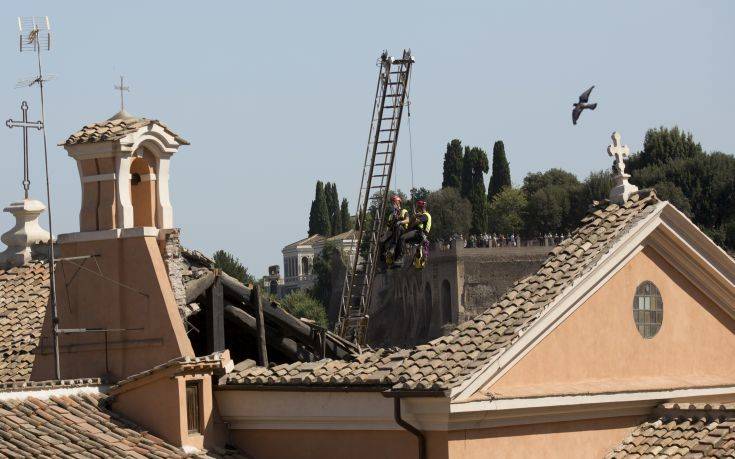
x=582, y=104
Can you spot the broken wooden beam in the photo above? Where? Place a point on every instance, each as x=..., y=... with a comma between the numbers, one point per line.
x=214, y=318
x=285, y=346
x=256, y=303
x=197, y=287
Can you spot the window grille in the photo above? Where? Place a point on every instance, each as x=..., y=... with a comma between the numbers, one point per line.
x=192, y=407
x=648, y=309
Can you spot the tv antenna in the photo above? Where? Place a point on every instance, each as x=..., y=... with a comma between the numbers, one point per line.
x=35, y=36
x=121, y=87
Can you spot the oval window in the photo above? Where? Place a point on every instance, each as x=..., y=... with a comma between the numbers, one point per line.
x=648, y=309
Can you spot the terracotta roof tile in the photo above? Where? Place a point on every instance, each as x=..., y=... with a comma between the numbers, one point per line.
x=115, y=129
x=24, y=293
x=688, y=430
x=78, y=425
x=447, y=361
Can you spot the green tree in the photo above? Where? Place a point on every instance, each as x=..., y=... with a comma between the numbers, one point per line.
x=450, y=213
x=301, y=304
x=345, y=217
x=596, y=187
x=335, y=218
x=672, y=159
x=417, y=194
x=452, y=175
x=547, y=211
x=506, y=211
x=534, y=181
x=500, y=177
x=329, y=260
x=673, y=194
x=553, y=202
x=232, y=266
x=319, y=222
x=662, y=145
x=474, y=168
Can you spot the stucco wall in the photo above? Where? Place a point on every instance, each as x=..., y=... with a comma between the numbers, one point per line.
x=563, y=440
x=352, y=444
x=598, y=347
x=154, y=332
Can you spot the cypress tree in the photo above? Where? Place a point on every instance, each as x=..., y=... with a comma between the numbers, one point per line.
x=335, y=218
x=500, y=177
x=474, y=168
x=319, y=215
x=345, y=216
x=452, y=176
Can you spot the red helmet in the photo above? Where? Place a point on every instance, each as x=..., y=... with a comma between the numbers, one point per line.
x=421, y=205
x=395, y=199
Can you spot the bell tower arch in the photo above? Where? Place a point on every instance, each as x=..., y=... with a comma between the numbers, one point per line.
x=123, y=166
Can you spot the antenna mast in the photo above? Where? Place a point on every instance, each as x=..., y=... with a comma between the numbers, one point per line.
x=35, y=35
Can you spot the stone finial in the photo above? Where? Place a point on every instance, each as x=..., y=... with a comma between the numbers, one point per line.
x=24, y=234
x=622, y=189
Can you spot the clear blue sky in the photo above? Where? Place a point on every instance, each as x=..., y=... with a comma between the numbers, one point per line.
x=273, y=95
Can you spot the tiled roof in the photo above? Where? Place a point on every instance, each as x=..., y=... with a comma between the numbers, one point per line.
x=308, y=240
x=447, y=361
x=24, y=293
x=114, y=129
x=212, y=360
x=681, y=430
x=66, y=426
x=71, y=419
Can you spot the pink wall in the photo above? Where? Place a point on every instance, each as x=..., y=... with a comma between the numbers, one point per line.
x=598, y=348
x=563, y=440
x=155, y=332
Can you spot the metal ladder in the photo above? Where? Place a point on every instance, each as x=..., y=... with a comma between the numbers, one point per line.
x=390, y=96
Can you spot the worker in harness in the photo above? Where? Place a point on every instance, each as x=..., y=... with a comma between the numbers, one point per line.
x=396, y=225
x=417, y=234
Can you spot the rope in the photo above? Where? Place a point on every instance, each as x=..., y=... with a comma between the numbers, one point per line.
x=410, y=136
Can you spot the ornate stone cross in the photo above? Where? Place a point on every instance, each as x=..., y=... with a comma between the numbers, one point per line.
x=622, y=189
x=25, y=124
x=619, y=152
x=121, y=87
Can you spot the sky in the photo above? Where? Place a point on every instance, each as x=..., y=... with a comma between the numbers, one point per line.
x=275, y=95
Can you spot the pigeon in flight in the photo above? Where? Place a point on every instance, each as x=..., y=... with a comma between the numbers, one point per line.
x=582, y=104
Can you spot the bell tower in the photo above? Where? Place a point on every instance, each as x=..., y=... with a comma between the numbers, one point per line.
x=117, y=311
x=123, y=166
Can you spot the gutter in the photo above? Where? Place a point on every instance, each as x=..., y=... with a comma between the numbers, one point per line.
x=396, y=396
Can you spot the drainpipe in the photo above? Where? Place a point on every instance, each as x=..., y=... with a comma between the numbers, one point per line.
x=413, y=430
x=396, y=396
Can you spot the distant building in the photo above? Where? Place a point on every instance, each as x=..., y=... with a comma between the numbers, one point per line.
x=273, y=282
x=298, y=257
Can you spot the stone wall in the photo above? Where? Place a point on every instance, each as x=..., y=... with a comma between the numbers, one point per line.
x=412, y=306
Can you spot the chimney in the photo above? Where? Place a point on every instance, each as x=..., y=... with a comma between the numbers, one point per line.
x=24, y=235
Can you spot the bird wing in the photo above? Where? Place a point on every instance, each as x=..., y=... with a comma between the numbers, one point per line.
x=575, y=114
x=586, y=95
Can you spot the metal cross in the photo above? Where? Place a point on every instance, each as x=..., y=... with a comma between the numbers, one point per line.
x=620, y=152
x=25, y=124
x=122, y=88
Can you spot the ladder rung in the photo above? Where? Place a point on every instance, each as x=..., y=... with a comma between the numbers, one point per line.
x=393, y=83
x=387, y=130
x=385, y=141
x=393, y=106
